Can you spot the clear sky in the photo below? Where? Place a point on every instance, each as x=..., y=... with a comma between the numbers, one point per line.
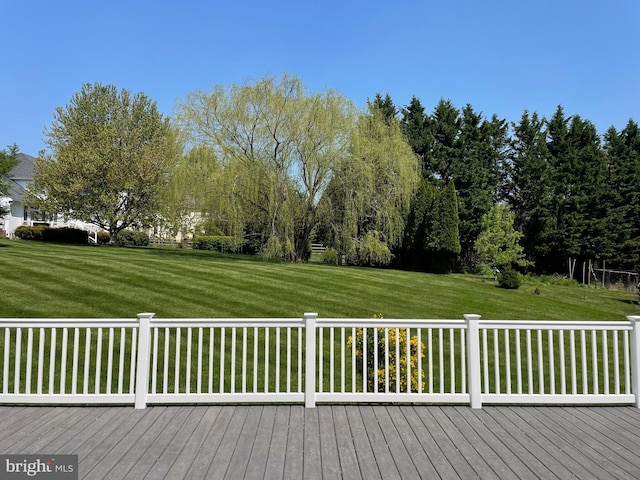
x=501, y=56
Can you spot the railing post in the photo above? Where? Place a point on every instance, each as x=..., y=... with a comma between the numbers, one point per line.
x=310, y=360
x=473, y=360
x=143, y=361
x=635, y=358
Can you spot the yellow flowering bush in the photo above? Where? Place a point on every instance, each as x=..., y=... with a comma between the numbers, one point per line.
x=395, y=335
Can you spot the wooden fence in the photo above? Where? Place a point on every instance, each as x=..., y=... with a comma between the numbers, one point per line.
x=307, y=360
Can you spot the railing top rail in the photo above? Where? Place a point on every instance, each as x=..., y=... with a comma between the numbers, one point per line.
x=388, y=323
x=225, y=322
x=554, y=325
x=68, y=322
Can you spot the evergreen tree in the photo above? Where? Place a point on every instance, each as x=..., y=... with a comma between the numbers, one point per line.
x=385, y=106
x=623, y=159
x=416, y=128
x=529, y=189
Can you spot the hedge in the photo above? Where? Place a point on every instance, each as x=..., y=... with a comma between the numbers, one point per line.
x=49, y=234
x=219, y=243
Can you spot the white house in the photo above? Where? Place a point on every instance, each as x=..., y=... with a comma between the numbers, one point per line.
x=18, y=183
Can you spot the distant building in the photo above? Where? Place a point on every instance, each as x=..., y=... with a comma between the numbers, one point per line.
x=19, y=179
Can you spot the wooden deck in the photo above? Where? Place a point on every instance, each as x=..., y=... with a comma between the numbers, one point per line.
x=336, y=441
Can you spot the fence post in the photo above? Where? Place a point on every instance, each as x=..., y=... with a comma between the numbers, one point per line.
x=635, y=358
x=310, y=360
x=143, y=360
x=473, y=360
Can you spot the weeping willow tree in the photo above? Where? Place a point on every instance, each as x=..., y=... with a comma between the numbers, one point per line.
x=370, y=194
x=277, y=145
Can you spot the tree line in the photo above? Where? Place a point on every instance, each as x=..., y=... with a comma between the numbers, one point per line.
x=276, y=166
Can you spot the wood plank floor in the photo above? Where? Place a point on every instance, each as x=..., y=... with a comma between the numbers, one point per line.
x=332, y=441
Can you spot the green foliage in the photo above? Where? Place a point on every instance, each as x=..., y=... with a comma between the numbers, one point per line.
x=8, y=161
x=278, y=146
x=509, y=279
x=498, y=245
x=369, y=251
x=110, y=153
x=49, y=234
x=431, y=237
x=132, y=238
x=220, y=243
x=330, y=256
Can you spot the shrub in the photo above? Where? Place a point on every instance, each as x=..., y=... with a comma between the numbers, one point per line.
x=132, y=238
x=330, y=257
x=220, y=243
x=382, y=349
x=509, y=278
x=103, y=237
x=275, y=249
x=29, y=233
x=49, y=234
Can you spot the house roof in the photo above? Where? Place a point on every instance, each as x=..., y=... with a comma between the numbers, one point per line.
x=25, y=168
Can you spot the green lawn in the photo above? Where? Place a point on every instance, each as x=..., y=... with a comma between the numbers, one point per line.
x=48, y=280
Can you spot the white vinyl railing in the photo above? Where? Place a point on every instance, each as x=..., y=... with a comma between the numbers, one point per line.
x=473, y=361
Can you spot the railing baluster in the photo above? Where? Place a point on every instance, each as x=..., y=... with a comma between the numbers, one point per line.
x=605, y=362
x=594, y=362
x=233, y=359
x=96, y=384
x=574, y=366
x=375, y=359
x=331, y=360
x=407, y=334
x=267, y=333
x=496, y=359
x=299, y=359
x=199, y=360
x=463, y=359
x=452, y=362
x=365, y=359
x=123, y=334
x=320, y=359
x=188, y=360
x=397, y=366
x=110, y=361
x=176, y=370
x=563, y=375
x=221, y=356
x=288, y=368
x=485, y=362
x=17, y=358
x=74, y=367
x=255, y=360
x=540, y=363
x=420, y=353
x=552, y=376
x=165, y=363
x=386, y=360
x=441, y=359
x=244, y=359
x=27, y=380
x=353, y=360
x=529, y=363
x=41, y=342
x=583, y=351
x=87, y=361
x=5, y=369
x=342, y=360
x=616, y=363
x=52, y=360
x=627, y=363
x=518, y=363
x=63, y=361
x=507, y=361
x=430, y=348
x=211, y=349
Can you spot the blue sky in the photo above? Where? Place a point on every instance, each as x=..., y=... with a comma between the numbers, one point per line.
x=500, y=56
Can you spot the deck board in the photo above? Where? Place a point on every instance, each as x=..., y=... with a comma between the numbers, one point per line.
x=331, y=441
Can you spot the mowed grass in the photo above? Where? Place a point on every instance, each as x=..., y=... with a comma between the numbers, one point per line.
x=48, y=280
